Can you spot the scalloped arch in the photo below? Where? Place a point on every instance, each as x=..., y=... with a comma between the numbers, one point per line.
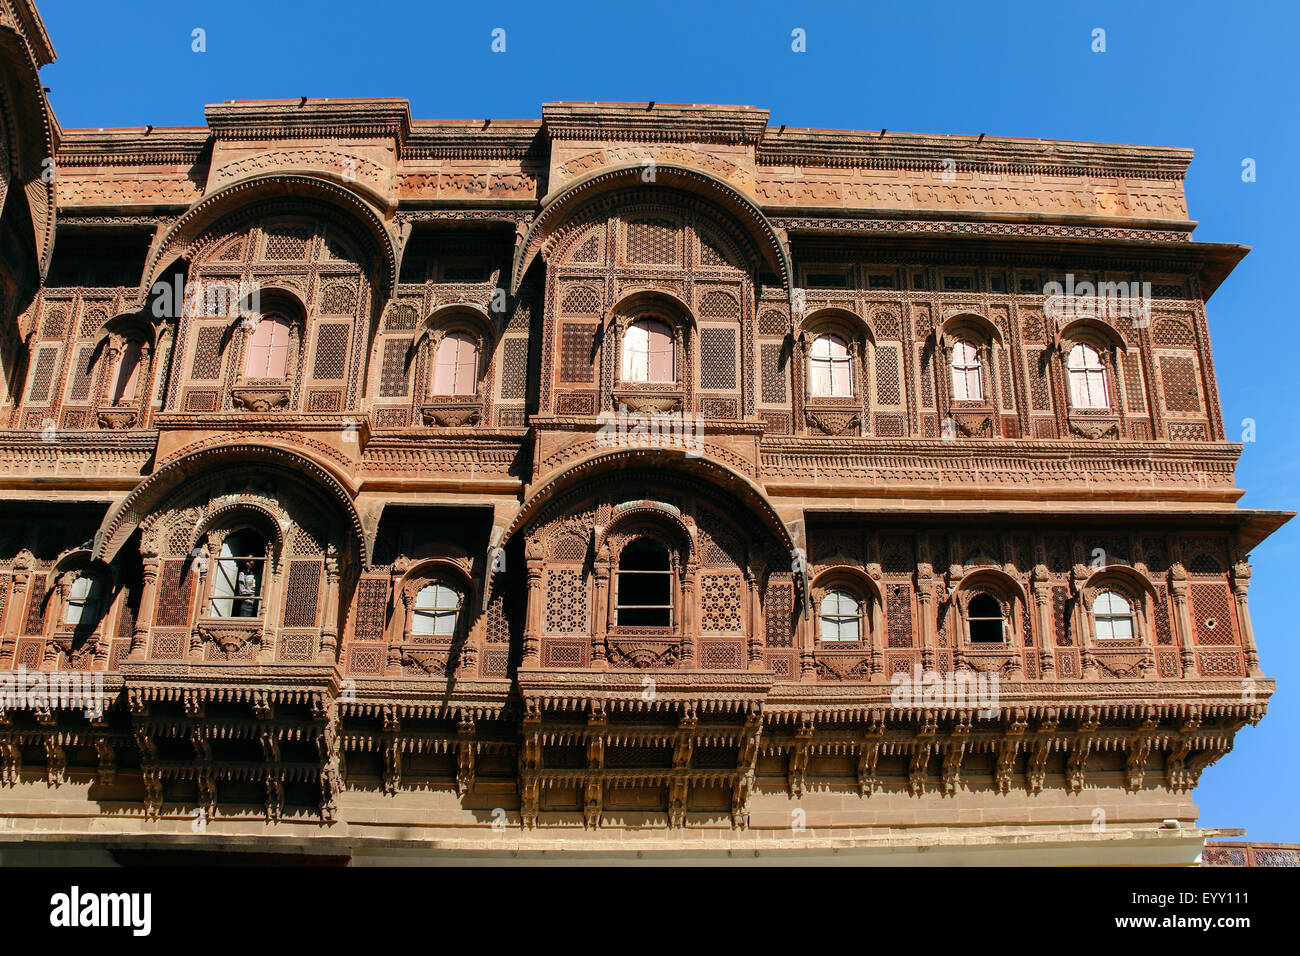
x=574, y=197
x=127, y=515
x=208, y=210
x=711, y=472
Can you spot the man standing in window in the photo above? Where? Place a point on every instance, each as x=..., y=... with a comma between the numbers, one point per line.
x=246, y=587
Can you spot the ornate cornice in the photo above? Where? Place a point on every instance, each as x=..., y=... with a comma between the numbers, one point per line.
x=388, y=118
x=962, y=154
x=859, y=225
x=89, y=148
x=654, y=123
x=477, y=139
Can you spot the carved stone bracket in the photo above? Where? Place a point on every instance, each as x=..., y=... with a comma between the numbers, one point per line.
x=457, y=415
x=230, y=637
x=260, y=398
x=117, y=417
x=833, y=423
x=1094, y=427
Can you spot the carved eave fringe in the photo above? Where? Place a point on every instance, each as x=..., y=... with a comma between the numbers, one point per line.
x=550, y=779
x=208, y=693
x=785, y=714
x=426, y=711
x=239, y=729
x=249, y=772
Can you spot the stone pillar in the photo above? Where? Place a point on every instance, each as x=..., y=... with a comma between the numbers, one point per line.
x=754, y=580
x=689, y=628
x=1240, y=585
x=875, y=620
x=536, y=603
x=16, y=610
x=804, y=641
x=199, y=567
x=329, y=631
x=395, y=642
x=148, y=603
x=929, y=615
x=799, y=383
x=1087, y=661
x=1043, y=606
x=1182, y=616
x=54, y=612
x=604, y=608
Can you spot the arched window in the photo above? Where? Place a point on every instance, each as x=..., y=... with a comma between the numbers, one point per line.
x=841, y=617
x=648, y=352
x=436, y=607
x=83, y=602
x=1087, y=378
x=238, y=577
x=1112, y=617
x=127, y=374
x=643, y=594
x=984, y=621
x=967, y=375
x=830, y=367
x=268, y=348
x=455, y=365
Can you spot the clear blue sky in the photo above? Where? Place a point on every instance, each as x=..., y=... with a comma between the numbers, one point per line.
x=1217, y=77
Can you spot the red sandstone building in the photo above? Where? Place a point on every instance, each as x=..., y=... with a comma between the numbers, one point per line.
x=645, y=478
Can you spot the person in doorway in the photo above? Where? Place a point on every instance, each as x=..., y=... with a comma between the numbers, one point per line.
x=246, y=588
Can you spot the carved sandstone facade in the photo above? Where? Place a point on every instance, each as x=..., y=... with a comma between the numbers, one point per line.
x=323, y=445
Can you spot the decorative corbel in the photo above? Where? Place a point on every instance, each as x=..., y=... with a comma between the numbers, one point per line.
x=917, y=768
x=466, y=749
x=799, y=753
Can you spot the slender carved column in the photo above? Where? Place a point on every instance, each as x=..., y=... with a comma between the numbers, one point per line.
x=54, y=613
x=148, y=601
x=536, y=603
x=1182, y=616
x=690, y=582
x=1043, y=605
x=329, y=632
x=603, y=596
x=1240, y=585
x=804, y=639
x=928, y=612
x=17, y=607
x=199, y=567
x=1087, y=662
x=754, y=577
x=403, y=637
x=874, y=617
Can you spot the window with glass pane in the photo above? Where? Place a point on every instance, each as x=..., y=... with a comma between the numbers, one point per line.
x=83, y=602
x=643, y=589
x=830, y=367
x=648, y=352
x=984, y=621
x=237, y=577
x=455, y=365
x=128, y=371
x=435, y=611
x=1087, y=378
x=268, y=348
x=841, y=617
x=1113, y=616
x=967, y=377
